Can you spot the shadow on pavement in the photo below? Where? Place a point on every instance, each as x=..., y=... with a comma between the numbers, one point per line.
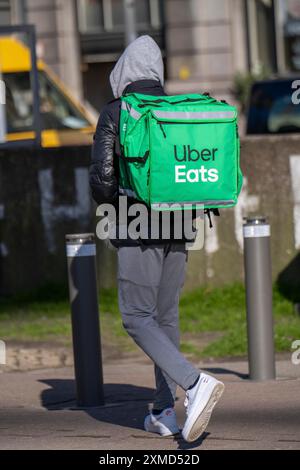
x=125, y=405
x=183, y=445
x=221, y=370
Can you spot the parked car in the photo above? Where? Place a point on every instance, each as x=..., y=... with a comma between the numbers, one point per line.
x=271, y=108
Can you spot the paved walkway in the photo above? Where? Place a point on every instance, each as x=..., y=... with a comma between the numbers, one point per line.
x=38, y=410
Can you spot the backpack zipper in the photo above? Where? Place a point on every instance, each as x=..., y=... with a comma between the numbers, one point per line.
x=162, y=129
x=160, y=123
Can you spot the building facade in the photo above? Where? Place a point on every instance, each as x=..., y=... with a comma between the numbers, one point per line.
x=205, y=43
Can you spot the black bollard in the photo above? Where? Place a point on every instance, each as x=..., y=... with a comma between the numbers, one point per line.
x=81, y=256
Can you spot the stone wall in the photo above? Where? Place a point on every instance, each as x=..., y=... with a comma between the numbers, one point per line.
x=45, y=194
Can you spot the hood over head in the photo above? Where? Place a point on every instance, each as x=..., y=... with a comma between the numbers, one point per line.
x=141, y=60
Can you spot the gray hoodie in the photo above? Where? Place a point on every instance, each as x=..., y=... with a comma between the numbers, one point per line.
x=141, y=60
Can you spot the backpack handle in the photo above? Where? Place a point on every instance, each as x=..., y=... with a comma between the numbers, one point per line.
x=207, y=99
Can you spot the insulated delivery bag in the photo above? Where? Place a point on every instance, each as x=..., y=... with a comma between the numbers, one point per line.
x=179, y=150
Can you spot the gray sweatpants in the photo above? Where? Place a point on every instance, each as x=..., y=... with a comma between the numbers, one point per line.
x=149, y=283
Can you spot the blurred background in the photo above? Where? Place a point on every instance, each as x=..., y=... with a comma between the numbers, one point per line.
x=244, y=51
x=205, y=43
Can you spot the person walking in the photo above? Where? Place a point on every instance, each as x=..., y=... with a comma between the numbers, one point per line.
x=150, y=272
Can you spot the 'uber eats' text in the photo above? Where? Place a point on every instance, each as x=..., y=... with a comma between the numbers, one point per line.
x=195, y=175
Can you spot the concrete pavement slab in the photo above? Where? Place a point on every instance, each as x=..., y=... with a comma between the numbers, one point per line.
x=38, y=410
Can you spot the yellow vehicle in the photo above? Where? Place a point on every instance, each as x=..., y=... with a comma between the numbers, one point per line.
x=64, y=122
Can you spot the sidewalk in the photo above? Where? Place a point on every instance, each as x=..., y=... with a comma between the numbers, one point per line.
x=38, y=410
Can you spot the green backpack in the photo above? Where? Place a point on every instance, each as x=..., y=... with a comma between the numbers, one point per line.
x=179, y=150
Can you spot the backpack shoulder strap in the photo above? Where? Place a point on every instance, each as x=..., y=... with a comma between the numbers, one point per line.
x=208, y=212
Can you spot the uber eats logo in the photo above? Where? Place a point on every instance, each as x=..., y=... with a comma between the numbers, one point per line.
x=185, y=153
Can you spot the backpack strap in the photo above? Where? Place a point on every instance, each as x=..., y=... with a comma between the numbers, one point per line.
x=215, y=212
x=135, y=159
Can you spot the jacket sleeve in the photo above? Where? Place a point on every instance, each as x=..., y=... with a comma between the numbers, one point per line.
x=103, y=181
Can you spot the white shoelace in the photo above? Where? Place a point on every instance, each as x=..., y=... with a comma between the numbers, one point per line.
x=187, y=399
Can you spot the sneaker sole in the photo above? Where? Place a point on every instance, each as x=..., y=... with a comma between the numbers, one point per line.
x=165, y=433
x=202, y=421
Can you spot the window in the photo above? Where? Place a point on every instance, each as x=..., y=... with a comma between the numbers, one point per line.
x=4, y=12
x=90, y=14
x=96, y=16
x=291, y=33
x=142, y=14
x=57, y=112
x=261, y=35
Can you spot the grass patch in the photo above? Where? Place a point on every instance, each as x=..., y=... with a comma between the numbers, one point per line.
x=44, y=315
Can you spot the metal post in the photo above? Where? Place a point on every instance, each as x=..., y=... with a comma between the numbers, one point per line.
x=129, y=21
x=81, y=252
x=34, y=78
x=258, y=278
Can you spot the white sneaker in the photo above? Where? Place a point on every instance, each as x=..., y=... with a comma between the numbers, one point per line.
x=164, y=424
x=199, y=403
